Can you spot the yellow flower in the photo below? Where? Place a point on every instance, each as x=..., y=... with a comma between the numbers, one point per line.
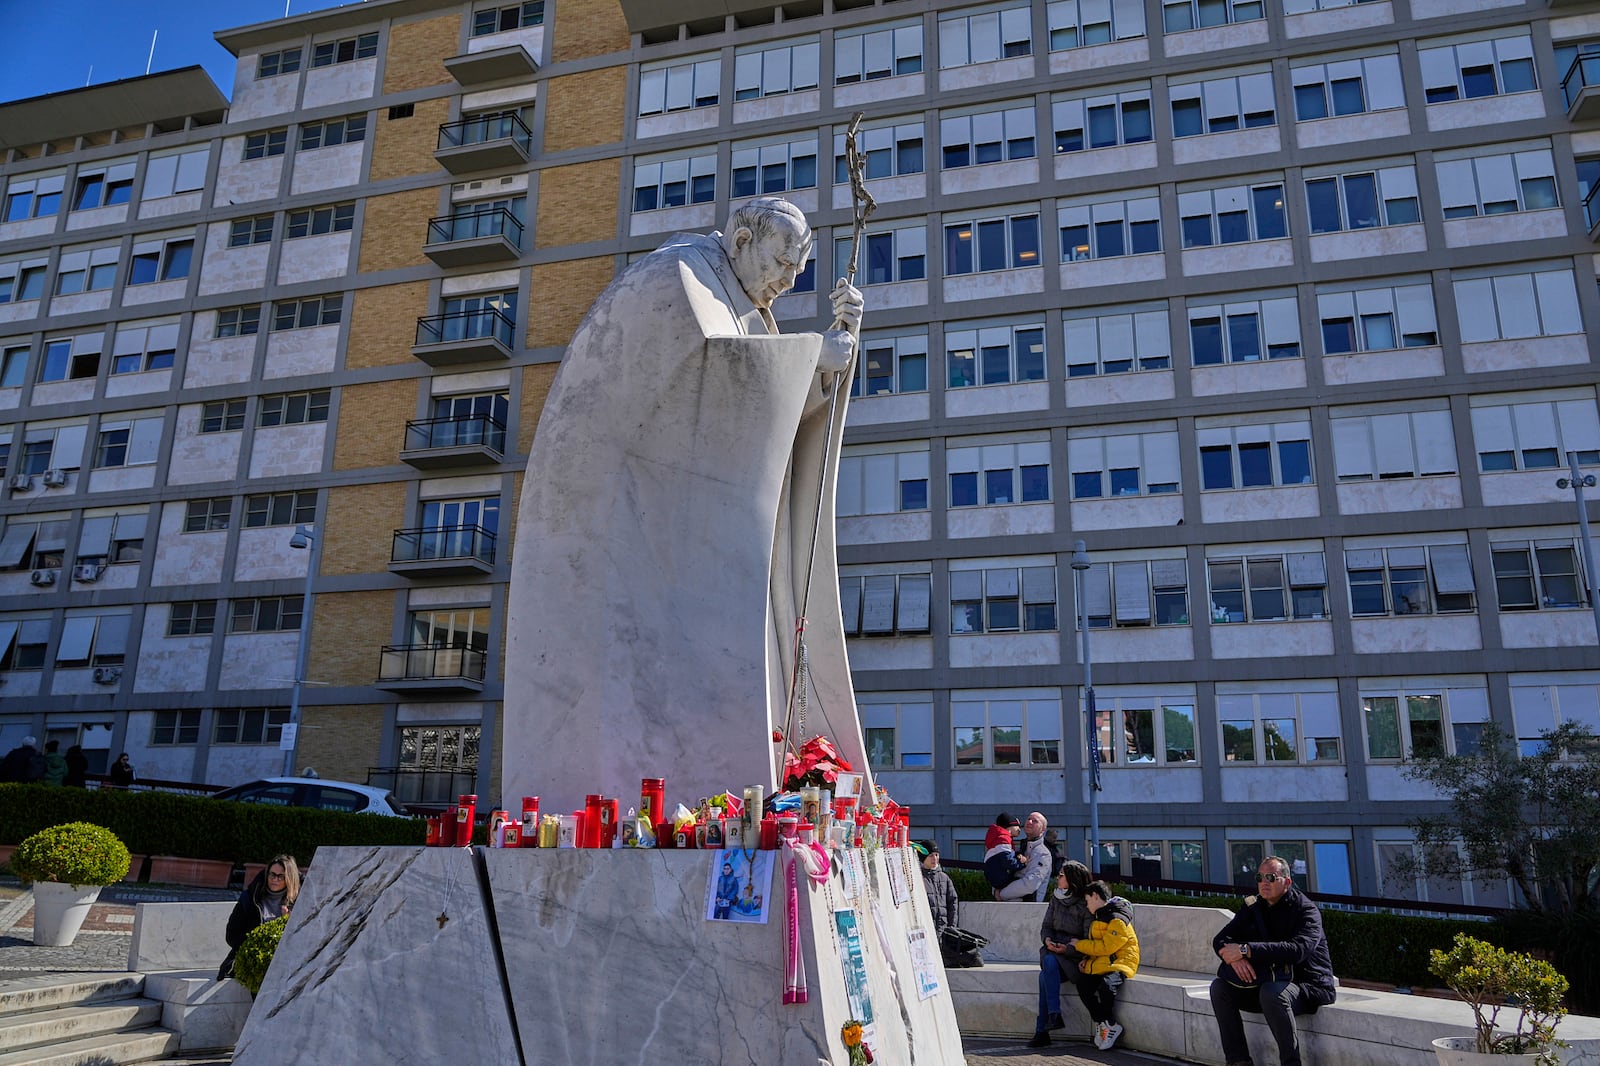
x=851, y=1034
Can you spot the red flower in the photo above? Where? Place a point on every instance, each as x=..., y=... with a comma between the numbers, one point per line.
x=818, y=764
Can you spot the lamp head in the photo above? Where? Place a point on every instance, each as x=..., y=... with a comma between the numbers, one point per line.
x=303, y=536
x=1080, y=556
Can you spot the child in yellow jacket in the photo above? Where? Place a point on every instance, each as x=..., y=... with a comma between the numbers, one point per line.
x=1112, y=956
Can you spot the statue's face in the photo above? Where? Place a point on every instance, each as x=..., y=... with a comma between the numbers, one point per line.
x=767, y=267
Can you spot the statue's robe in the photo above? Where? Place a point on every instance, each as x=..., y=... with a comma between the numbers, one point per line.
x=662, y=545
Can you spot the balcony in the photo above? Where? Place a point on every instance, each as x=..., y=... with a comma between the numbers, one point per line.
x=413, y=786
x=442, y=550
x=446, y=443
x=472, y=69
x=475, y=336
x=1580, y=88
x=487, y=142
x=430, y=668
x=471, y=238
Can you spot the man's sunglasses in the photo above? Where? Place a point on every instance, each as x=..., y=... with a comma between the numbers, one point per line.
x=1271, y=879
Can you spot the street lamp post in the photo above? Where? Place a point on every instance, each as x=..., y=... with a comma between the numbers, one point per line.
x=304, y=538
x=1080, y=567
x=1577, y=482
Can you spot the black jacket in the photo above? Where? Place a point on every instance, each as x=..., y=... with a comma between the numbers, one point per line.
x=942, y=900
x=22, y=763
x=1287, y=935
x=245, y=917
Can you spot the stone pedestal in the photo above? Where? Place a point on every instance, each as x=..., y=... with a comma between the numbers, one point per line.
x=575, y=956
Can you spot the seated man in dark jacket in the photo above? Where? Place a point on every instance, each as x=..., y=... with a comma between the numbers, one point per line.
x=1274, y=962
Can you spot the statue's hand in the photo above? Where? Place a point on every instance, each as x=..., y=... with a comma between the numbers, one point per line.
x=838, y=345
x=847, y=306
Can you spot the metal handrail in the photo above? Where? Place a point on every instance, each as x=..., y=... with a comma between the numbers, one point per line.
x=466, y=325
x=442, y=542
x=429, y=662
x=480, y=222
x=482, y=129
x=425, y=433
x=1581, y=67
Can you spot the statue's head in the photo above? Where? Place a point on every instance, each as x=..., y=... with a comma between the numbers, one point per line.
x=768, y=242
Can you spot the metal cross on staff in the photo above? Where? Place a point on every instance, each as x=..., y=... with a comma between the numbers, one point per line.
x=862, y=206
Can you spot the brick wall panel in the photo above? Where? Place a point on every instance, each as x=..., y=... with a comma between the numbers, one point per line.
x=347, y=635
x=417, y=51
x=404, y=146
x=584, y=110
x=577, y=203
x=372, y=423
x=383, y=324
x=395, y=228
x=585, y=28
x=342, y=742
x=536, y=382
x=359, y=522
x=565, y=291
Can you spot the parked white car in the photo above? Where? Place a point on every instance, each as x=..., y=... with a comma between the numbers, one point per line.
x=315, y=792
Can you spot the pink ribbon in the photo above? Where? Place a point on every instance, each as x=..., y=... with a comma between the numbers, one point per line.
x=815, y=860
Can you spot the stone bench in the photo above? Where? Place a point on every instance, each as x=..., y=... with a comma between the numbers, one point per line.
x=1166, y=1009
x=178, y=947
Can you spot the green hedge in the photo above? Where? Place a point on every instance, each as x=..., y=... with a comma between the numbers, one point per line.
x=196, y=827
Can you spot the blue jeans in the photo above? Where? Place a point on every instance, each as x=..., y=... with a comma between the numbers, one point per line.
x=1276, y=1001
x=1053, y=970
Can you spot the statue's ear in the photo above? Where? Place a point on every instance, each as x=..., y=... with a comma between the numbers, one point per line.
x=741, y=237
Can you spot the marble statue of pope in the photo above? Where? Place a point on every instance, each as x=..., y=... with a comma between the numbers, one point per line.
x=665, y=530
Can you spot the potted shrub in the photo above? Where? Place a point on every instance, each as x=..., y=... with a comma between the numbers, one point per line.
x=1491, y=980
x=255, y=954
x=67, y=864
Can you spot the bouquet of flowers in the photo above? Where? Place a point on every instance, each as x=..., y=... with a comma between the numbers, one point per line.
x=818, y=765
x=854, y=1038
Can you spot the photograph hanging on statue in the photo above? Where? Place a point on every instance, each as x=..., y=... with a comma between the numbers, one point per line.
x=922, y=956
x=848, y=786
x=740, y=886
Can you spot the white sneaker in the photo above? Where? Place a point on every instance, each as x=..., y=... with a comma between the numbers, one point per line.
x=1100, y=1031
x=1109, y=1040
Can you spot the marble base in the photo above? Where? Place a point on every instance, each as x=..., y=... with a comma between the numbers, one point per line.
x=606, y=956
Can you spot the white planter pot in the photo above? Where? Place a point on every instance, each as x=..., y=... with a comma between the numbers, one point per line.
x=1462, y=1051
x=59, y=911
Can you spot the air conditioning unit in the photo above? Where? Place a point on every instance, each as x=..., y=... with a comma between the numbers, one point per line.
x=54, y=479
x=87, y=572
x=21, y=482
x=107, y=675
x=43, y=577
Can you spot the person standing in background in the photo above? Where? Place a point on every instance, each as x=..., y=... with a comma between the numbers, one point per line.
x=55, y=763
x=121, y=772
x=77, y=768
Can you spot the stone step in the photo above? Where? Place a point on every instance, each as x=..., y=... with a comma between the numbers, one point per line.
x=108, y=1049
x=55, y=1026
x=66, y=989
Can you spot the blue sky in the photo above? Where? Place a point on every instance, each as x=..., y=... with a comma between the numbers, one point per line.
x=113, y=36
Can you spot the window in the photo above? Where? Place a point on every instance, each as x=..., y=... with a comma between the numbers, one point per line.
x=207, y=516
x=22, y=643
x=1172, y=860
x=103, y=186
x=887, y=151
x=13, y=365
x=1542, y=574
x=886, y=256
x=34, y=197
x=249, y=725
x=994, y=354
x=681, y=85
x=774, y=168
x=247, y=231
x=72, y=358
x=132, y=442
x=348, y=50
x=1081, y=23
x=272, y=64
x=1348, y=87
x=1116, y=342
x=239, y=321
x=1478, y=68
x=140, y=347
x=1540, y=303
x=1386, y=197
x=674, y=182
x=884, y=605
x=160, y=259
x=897, y=729
x=1222, y=105
x=1015, y=727
x=46, y=447
x=773, y=70
x=326, y=134
x=1102, y=121
x=987, y=137
x=1414, y=723
x=280, y=509
x=1254, y=456
x=1497, y=184
x=22, y=280
x=266, y=143
x=171, y=173
x=1232, y=215
x=49, y=545
x=1108, y=229
x=1268, y=587
x=1002, y=242
x=1535, y=432
x=1539, y=707
x=1123, y=464
x=875, y=479
x=1384, y=444
x=1133, y=593
x=308, y=312
x=985, y=36
x=87, y=270
x=1145, y=731
x=891, y=364
x=499, y=20
x=93, y=640
x=111, y=538
x=1000, y=596
x=1274, y=728
x=221, y=416
x=1180, y=15
x=192, y=618
x=315, y=221
x=177, y=727
x=990, y=474
x=1246, y=331
x=1381, y=319
x=293, y=408
x=1396, y=581
x=265, y=614
x=882, y=52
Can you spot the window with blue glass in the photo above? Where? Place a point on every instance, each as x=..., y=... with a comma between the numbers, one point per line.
x=766, y=169
x=1347, y=87
x=887, y=151
x=680, y=85
x=1110, y=228
x=1244, y=331
x=886, y=256
x=891, y=364
x=994, y=354
x=990, y=474
x=1143, y=463
x=1255, y=456
x=1002, y=242
x=1232, y=215
x=1084, y=23
x=1104, y=120
x=1223, y=105
x=1475, y=69
x=985, y=35
x=674, y=182
x=881, y=52
x=1002, y=136
x=1117, y=341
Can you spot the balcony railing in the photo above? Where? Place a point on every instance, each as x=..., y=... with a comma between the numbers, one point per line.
x=440, y=442
x=484, y=142
x=465, y=337
x=472, y=237
x=443, y=544
x=425, y=788
x=1591, y=208
x=1580, y=87
x=430, y=666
